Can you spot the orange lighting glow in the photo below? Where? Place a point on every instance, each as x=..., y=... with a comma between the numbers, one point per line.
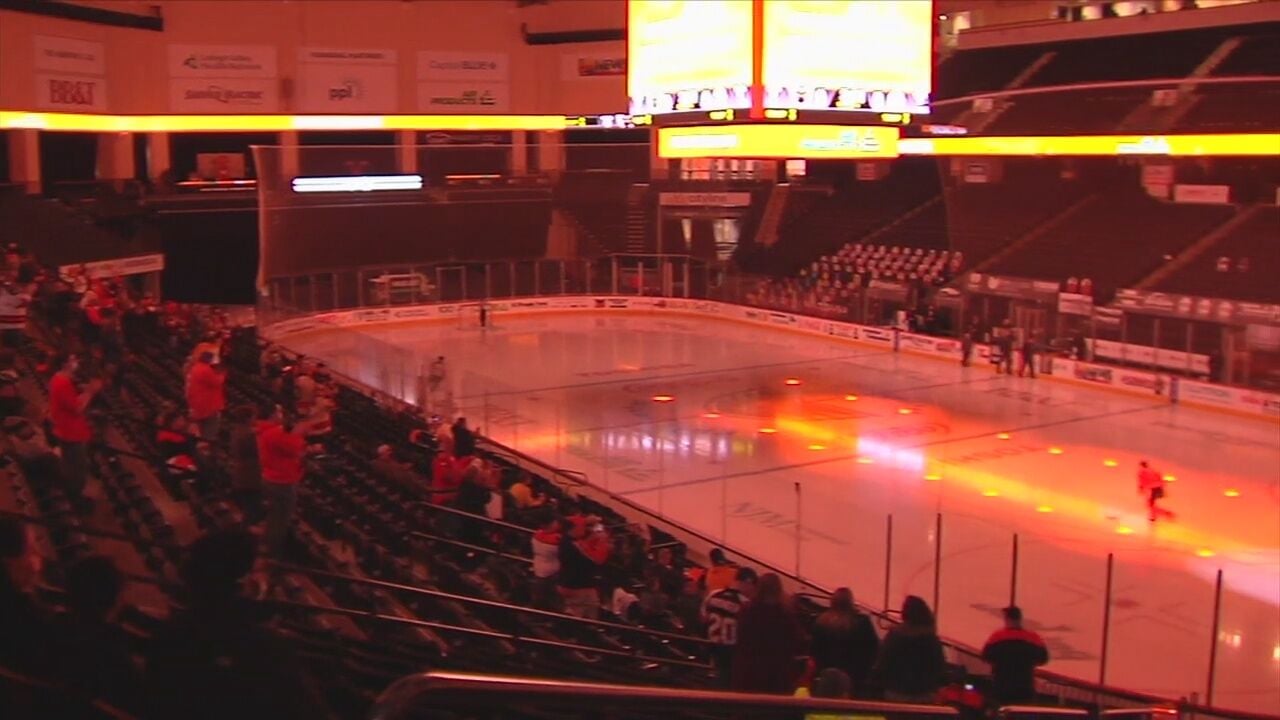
x=1055, y=451
x=711, y=415
x=933, y=477
x=851, y=398
x=904, y=411
x=768, y=430
x=1231, y=493
x=864, y=460
x=1096, y=145
x=1205, y=553
x=1110, y=463
x=86, y=122
x=792, y=381
x=663, y=398
x=1124, y=530
x=1044, y=508
x=990, y=493
x=816, y=446
x=1003, y=436
x=1170, y=478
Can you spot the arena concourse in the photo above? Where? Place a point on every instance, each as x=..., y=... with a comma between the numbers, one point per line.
x=622, y=359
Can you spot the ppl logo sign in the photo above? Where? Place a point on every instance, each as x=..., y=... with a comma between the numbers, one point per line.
x=347, y=90
x=72, y=92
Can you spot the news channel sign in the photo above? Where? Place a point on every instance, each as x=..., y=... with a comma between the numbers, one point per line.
x=347, y=80
x=847, y=55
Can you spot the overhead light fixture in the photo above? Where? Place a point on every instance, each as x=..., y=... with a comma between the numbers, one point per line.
x=356, y=183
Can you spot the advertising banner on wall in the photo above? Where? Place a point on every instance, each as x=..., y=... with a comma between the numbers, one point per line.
x=230, y=95
x=334, y=80
x=1197, y=308
x=69, y=55
x=222, y=61
x=74, y=79
x=463, y=97
x=463, y=82
x=71, y=93
x=583, y=67
x=722, y=199
x=1205, y=194
x=223, y=79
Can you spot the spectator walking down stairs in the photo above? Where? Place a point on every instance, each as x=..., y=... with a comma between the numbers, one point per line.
x=1014, y=653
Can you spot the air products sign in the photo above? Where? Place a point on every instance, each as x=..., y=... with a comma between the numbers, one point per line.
x=339, y=81
x=463, y=83
x=232, y=79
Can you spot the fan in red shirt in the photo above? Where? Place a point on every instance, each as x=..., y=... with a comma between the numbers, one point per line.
x=206, y=395
x=281, y=448
x=67, y=407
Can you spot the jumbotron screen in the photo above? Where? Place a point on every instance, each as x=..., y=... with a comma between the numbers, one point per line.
x=686, y=55
x=806, y=55
x=848, y=55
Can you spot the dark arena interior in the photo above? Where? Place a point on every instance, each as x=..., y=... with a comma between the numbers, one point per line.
x=622, y=359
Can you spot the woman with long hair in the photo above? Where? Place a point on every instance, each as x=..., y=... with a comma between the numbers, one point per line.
x=844, y=639
x=769, y=639
x=910, y=666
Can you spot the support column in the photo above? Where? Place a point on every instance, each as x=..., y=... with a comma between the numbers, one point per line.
x=407, y=151
x=519, y=153
x=115, y=157
x=159, y=157
x=551, y=159
x=290, y=154
x=24, y=160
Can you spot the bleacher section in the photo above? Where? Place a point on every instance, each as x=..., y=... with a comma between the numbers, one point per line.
x=597, y=199
x=1243, y=265
x=971, y=72
x=1245, y=107
x=1062, y=113
x=1114, y=241
x=1258, y=54
x=1130, y=57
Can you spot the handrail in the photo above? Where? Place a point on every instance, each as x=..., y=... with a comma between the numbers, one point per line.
x=469, y=546
x=472, y=516
x=443, y=690
x=1108, y=85
x=475, y=632
x=464, y=599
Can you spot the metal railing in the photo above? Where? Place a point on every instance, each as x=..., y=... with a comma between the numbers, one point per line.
x=422, y=695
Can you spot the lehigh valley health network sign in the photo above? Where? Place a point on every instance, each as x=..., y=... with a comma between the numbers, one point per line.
x=463, y=82
x=223, y=79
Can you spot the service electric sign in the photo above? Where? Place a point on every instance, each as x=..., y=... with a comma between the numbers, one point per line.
x=223, y=79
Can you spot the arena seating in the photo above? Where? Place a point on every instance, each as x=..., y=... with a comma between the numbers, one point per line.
x=1256, y=55
x=1233, y=108
x=598, y=201
x=1076, y=112
x=1119, y=238
x=969, y=72
x=1242, y=265
x=1129, y=57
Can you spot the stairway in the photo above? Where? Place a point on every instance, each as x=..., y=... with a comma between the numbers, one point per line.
x=977, y=122
x=1035, y=234
x=60, y=235
x=1198, y=248
x=637, y=240
x=1148, y=118
x=771, y=219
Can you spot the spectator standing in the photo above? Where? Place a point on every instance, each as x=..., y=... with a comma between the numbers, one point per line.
x=721, y=574
x=246, y=478
x=583, y=551
x=845, y=639
x=13, y=313
x=24, y=624
x=546, y=562
x=524, y=494
x=1014, y=653
x=206, y=395
x=68, y=407
x=95, y=652
x=464, y=439
x=769, y=639
x=11, y=403
x=281, y=447
x=720, y=614
x=216, y=659
x=910, y=665
x=446, y=475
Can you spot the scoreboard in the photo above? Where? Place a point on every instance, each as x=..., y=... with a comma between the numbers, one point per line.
x=772, y=59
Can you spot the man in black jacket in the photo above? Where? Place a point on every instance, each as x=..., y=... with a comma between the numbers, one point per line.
x=1014, y=653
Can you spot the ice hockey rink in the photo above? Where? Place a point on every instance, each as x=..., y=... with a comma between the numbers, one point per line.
x=796, y=450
